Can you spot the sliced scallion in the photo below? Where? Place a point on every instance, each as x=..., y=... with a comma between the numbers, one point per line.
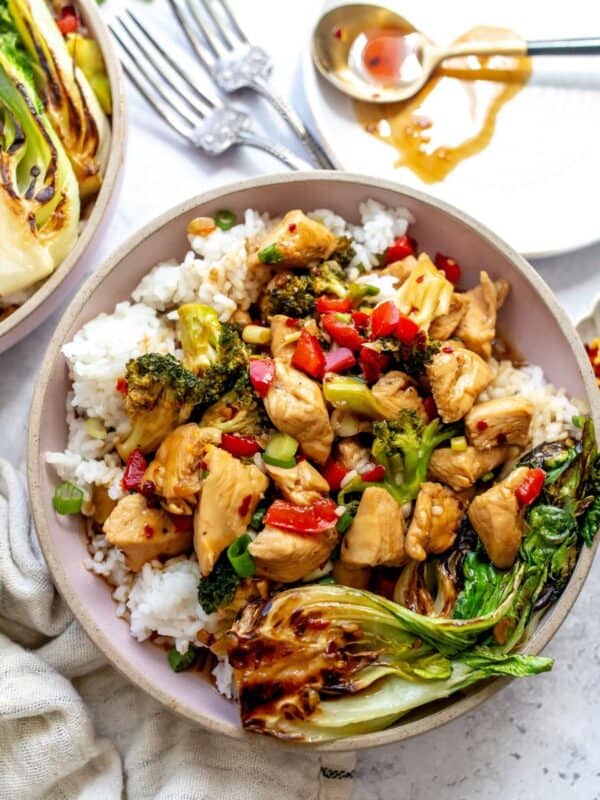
x=225, y=219
x=281, y=451
x=270, y=255
x=344, y=522
x=67, y=499
x=181, y=661
x=239, y=557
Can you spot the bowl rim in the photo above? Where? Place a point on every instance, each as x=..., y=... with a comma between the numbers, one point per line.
x=42, y=520
x=118, y=124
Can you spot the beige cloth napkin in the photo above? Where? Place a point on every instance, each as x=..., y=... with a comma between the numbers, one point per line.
x=71, y=727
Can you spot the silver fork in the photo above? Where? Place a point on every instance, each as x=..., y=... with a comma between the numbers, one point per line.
x=235, y=63
x=202, y=119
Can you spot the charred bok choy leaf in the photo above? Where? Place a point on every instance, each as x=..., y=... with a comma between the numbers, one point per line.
x=39, y=198
x=71, y=105
x=321, y=662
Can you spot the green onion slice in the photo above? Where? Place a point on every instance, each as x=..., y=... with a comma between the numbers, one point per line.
x=225, y=219
x=344, y=522
x=270, y=255
x=326, y=579
x=281, y=451
x=256, y=523
x=67, y=499
x=239, y=557
x=181, y=661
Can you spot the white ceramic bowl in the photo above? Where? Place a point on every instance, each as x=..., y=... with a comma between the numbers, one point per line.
x=531, y=318
x=64, y=279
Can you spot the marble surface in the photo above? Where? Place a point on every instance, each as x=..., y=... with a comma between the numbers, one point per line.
x=535, y=739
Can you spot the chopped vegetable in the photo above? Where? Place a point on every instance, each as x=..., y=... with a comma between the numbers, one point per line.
x=67, y=22
x=406, y=330
x=449, y=267
x=531, y=487
x=334, y=473
x=240, y=446
x=425, y=294
x=239, y=557
x=225, y=219
x=342, y=332
x=199, y=330
x=308, y=355
x=339, y=360
x=281, y=451
x=326, y=304
x=314, y=518
x=218, y=588
x=374, y=473
x=262, y=374
x=384, y=319
x=256, y=334
x=458, y=444
x=67, y=498
x=401, y=248
x=372, y=363
x=352, y=394
x=270, y=255
x=182, y=661
x=238, y=411
x=134, y=471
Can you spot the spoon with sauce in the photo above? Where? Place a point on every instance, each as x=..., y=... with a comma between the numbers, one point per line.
x=373, y=54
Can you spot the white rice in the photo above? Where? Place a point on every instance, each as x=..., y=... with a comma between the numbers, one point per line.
x=554, y=410
x=161, y=600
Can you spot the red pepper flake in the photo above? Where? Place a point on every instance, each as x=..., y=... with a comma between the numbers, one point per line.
x=421, y=278
x=292, y=323
x=148, y=488
x=182, y=523
x=121, y=386
x=148, y=531
x=482, y=425
x=317, y=624
x=338, y=33
x=245, y=505
x=292, y=227
x=447, y=349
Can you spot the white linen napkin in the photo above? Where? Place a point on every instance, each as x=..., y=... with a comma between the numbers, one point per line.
x=72, y=727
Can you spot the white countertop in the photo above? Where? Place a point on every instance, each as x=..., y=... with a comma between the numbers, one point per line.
x=538, y=737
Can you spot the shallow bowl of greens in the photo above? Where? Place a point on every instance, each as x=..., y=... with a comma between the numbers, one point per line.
x=61, y=167
x=531, y=320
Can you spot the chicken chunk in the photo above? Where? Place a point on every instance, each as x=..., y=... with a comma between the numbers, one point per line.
x=285, y=556
x=400, y=269
x=376, y=536
x=435, y=521
x=301, y=484
x=460, y=470
x=396, y=391
x=284, y=336
x=505, y=420
x=496, y=517
x=296, y=241
x=445, y=325
x=352, y=451
x=176, y=469
x=229, y=497
x=457, y=376
x=477, y=328
x=144, y=533
x=356, y=577
x=296, y=406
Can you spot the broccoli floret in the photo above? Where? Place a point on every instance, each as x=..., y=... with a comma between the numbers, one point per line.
x=344, y=251
x=329, y=278
x=292, y=295
x=199, y=330
x=404, y=447
x=410, y=358
x=218, y=589
x=231, y=361
x=238, y=411
x=161, y=394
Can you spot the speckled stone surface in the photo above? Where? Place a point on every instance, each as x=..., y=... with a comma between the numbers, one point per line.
x=538, y=738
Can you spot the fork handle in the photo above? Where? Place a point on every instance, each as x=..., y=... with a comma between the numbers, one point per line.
x=280, y=152
x=289, y=114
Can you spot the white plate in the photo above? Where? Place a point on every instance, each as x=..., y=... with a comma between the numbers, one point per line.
x=537, y=183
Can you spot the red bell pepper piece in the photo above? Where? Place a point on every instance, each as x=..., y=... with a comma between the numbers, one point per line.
x=182, y=524
x=361, y=319
x=449, y=267
x=530, y=488
x=430, y=408
x=240, y=446
x=374, y=474
x=315, y=518
x=334, y=473
x=403, y=246
x=67, y=22
x=134, y=471
x=339, y=360
x=372, y=363
x=326, y=304
x=309, y=356
x=406, y=330
x=384, y=319
x=262, y=374
x=344, y=333
x=121, y=385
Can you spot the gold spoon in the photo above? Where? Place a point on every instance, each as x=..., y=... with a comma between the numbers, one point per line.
x=371, y=53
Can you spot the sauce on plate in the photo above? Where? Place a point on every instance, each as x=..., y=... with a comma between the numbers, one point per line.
x=454, y=116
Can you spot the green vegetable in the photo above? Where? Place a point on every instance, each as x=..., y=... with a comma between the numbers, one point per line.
x=410, y=358
x=87, y=54
x=239, y=557
x=238, y=411
x=39, y=197
x=67, y=498
x=231, y=362
x=199, y=330
x=329, y=278
x=270, y=255
x=71, y=105
x=225, y=219
x=326, y=580
x=294, y=295
x=356, y=291
x=281, y=451
x=590, y=523
x=256, y=522
x=182, y=661
x=397, y=660
x=344, y=522
x=352, y=394
x=161, y=394
x=218, y=588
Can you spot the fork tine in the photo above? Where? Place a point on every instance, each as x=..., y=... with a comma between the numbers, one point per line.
x=215, y=44
x=208, y=101
x=233, y=21
x=200, y=48
x=169, y=98
x=230, y=42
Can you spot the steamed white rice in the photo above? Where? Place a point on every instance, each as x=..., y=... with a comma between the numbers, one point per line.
x=161, y=600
